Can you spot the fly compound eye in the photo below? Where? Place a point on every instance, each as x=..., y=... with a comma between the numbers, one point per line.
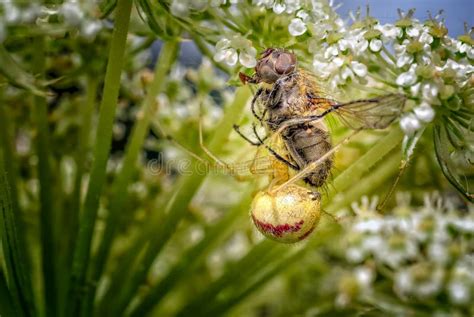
x=287, y=216
x=285, y=63
x=267, y=74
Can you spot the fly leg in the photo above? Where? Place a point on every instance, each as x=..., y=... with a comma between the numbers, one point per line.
x=237, y=129
x=254, y=101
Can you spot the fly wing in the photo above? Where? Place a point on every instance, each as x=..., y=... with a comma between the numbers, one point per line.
x=375, y=113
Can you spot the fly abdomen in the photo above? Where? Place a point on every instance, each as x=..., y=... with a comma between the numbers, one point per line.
x=307, y=144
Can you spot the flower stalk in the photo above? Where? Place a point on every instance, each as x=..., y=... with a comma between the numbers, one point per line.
x=101, y=153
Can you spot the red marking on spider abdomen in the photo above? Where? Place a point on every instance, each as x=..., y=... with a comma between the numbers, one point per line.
x=277, y=230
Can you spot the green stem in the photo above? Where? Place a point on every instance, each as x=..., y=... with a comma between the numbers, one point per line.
x=101, y=154
x=48, y=215
x=7, y=306
x=10, y=167
x=11, y=255
x=368, y=184
x=386, y=51
x=364, y=163
x=247, y=280
x=193, y=257
x=71, y=220
x=274, y=267
x=382, y=80
x=119, y=191
x=254, y=260
x=164, y=228
x=389, y=67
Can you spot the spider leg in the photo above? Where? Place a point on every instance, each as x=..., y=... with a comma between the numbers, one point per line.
x=277, y=156
x=231, y=169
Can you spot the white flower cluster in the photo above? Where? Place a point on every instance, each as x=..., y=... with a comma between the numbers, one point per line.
x=279, y=6
x=182, y=8
x=427, y=248
x=427, y=75
x=73, y=13
x=236, y=49
x=75, y=16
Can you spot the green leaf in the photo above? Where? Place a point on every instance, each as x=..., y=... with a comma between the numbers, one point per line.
x=7, y=307
x=457, y=164
x=16, y=75
x=134, y=147
x=159, y=20
x=106, y=7
x=101, y=155
x=19, y=278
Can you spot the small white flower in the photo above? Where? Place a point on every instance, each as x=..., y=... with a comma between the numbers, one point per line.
x=323, y=69
x=72, y=13
x=223, y=43
x=339, y=22
x=424, y=112
x=248, y=59
x=470, y=53
x=179, y=8
x=359, y=69
x=426, y=38
x=338, y=62
x=292, y=6
x=347, y=73
x=389, y=31
x=361, y=46
x=90, y=29
x=375, y=45
x=369, y=225
x=303, y=15
x=355, y=254
x=373, y=244
x=404, y=59
x=406, y=79
x=228, y=56
x=429, y=91
x=403, y=281
x=331, y=51
x=399, y=48
x=413, y=32
x=415, y=89
x=438, y=253
x=11, y=13
x=217, y=3
x=364, y=276
x=279, y=8
x=343, y=45
x=409, y=123
x=236, y=49
x=297, y=27
x=459, y=292
x=29, y=14
x=462, y=47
